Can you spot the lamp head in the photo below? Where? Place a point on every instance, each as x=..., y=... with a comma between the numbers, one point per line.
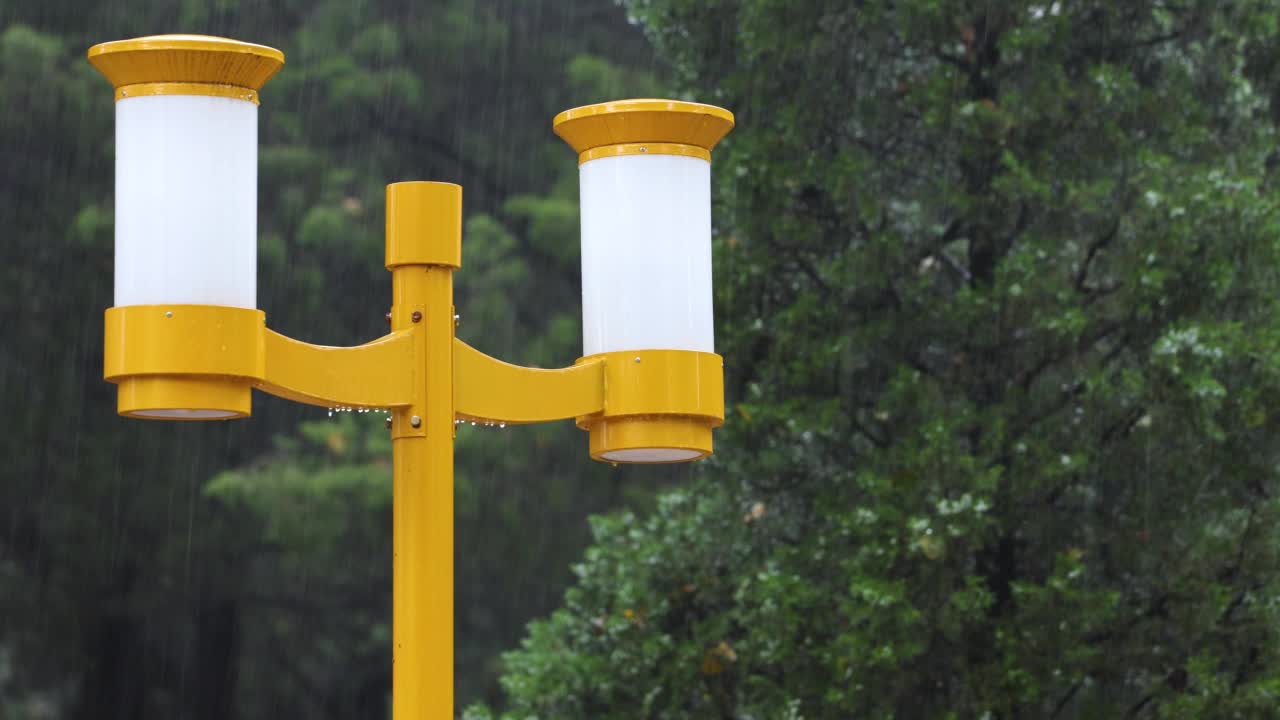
x=185, y=217
x=645, y=179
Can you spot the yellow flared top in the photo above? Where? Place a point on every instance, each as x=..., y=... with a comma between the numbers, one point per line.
x=186, y=60
x=643, y=121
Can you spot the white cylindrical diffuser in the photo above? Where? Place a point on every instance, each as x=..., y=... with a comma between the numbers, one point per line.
x=186, y=201
x=646, y=253
x=186, y=167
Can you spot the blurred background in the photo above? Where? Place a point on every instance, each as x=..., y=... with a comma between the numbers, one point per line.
x=997, y=292
x=244, y=569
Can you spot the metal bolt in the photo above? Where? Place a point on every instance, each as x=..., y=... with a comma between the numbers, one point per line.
x=637, y=358
x=415, y=421
x=388, y=317
x=169, y=314
x=417, y=315
x=644, y=149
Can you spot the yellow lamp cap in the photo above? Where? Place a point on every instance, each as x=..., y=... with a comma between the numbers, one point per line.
x=194, y=59
x=643, y=121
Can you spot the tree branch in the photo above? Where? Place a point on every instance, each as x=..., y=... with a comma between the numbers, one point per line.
x=1062, y=704
x=1097, y=246
x=867, y=433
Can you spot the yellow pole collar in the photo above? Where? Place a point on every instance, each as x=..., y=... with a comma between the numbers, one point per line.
x=424, y=224
x=186, y=65
x=636, y=127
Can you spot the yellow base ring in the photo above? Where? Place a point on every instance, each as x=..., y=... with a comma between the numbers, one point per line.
x=160, y=397
x=650, y=439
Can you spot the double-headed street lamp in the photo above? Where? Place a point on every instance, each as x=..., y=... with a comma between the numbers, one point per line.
x=185, y=340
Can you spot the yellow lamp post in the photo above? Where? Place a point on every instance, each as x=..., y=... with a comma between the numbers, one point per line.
x=185, y=340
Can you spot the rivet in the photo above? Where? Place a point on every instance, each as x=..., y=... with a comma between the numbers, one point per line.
x=169, y=314
x=415, y=421
x=417, y=315
x=388, y=423
x=388, y=317
x=644, y=149
x=637, y=358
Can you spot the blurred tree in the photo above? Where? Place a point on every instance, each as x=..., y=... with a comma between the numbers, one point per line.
x=998, y=298
x=315, y=611
x=129, y=589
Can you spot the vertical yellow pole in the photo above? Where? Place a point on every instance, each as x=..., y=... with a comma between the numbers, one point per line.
x=424, y=230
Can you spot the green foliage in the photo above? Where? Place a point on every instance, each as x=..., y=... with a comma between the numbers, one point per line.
x=321, y=505
x=997, y=295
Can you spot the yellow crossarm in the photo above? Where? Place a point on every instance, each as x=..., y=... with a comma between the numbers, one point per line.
x=378, y=374
x=486, y=389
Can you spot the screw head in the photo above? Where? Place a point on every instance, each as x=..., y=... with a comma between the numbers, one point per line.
x=417, y=316
x=169, y=313
x=415, y=421
x=637, y=358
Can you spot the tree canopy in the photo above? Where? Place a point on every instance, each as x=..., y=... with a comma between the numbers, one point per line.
x=997, y=298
